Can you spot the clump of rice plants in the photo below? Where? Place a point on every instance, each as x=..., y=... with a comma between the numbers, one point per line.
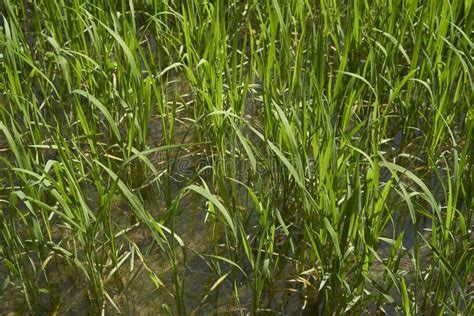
x=195, y=157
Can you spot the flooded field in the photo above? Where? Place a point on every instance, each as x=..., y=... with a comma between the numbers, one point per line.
x=187, y=157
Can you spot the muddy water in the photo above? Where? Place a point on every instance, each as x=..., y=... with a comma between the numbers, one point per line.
x=134, y=292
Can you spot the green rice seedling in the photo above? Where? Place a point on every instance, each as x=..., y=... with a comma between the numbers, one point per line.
x=189, y=157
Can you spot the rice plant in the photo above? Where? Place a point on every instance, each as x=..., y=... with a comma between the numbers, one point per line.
x=204, y=157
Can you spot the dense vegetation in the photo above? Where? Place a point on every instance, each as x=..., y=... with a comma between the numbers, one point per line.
x=180, y=156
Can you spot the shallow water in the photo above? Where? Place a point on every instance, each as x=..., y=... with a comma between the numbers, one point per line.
x=133, y=290
x=135, y=293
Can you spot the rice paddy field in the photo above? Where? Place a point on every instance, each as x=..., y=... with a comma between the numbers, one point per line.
x=194, y=157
